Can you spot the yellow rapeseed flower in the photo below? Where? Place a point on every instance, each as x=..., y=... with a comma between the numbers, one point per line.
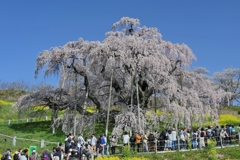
x=5, y=103
x=228, y=119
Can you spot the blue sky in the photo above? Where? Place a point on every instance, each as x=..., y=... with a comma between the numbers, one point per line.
x=211, y=28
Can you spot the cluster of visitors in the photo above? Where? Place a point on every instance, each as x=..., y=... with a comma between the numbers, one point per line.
x=19, y=155
x=87, y=147
x=168, y=139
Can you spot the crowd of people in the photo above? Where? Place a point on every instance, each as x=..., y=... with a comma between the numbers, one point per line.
x=19, y=155
x=169, y=139
x=89, y=147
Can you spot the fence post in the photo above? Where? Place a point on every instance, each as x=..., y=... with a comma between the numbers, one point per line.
x=14, y=141
x=239, y=138
x=46, y=118
x=178, y=140
x=53, y=130
x=108, y=149
x=9, y=122
x=97, y=151
x=103, y=151
x=27, y=120
x=221, y=142
x=42, y=143
x=156, y=146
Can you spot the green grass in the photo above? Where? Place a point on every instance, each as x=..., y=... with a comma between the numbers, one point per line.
x=33, y=131
x=224, y=153
x=231, y=110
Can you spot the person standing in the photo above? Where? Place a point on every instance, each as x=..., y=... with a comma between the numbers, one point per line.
x=23, y=156
x=113, y=144
x=217, y=135
x=145, y=143
x=132, y=142
x=33, y=156
x=201, y=138
x=102, y=143
x=46, y=155
x=194, y=139
x=94, y=143
x=224, y=136
x=67, y=142
x=162, y=138
x=53, y=152
x=81, y=139
x=228, y=130
x=151, y=139
x=105, y=144
x=125, y=139
x=169, y=141
x=7, y=155
x=174, y=139
x=138, y=141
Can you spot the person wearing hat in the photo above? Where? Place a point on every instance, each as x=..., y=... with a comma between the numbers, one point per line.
x=33, y=156
x=7, y=155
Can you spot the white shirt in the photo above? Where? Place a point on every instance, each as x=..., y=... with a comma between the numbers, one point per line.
x=174, y=135
x=82, y=141
x=93, y=141
x=126, y=138
x=105, y=138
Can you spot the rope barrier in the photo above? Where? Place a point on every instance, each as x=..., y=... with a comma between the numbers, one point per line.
x=25, y=139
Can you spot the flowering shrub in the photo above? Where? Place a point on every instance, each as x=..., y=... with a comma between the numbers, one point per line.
x=36, y=108
x=158, y=112
x=5, y=103
x=91, y=110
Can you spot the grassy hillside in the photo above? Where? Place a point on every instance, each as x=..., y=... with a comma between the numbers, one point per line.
x=11, y=94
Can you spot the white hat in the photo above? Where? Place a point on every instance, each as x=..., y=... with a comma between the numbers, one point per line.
x=33, y=150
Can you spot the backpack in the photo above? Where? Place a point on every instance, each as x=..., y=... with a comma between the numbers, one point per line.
x=217, y=132
x=194, y=136
x=4, y=156
x=186, y=136
x=103, y=141
x=71, y=158
x=209, y=134
x=45, y=156
x=56, y=158
x=15, y=156
x=151, y=138
x=233, y=130
x=161, y=137
x=132, y=138
x=99, y=139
